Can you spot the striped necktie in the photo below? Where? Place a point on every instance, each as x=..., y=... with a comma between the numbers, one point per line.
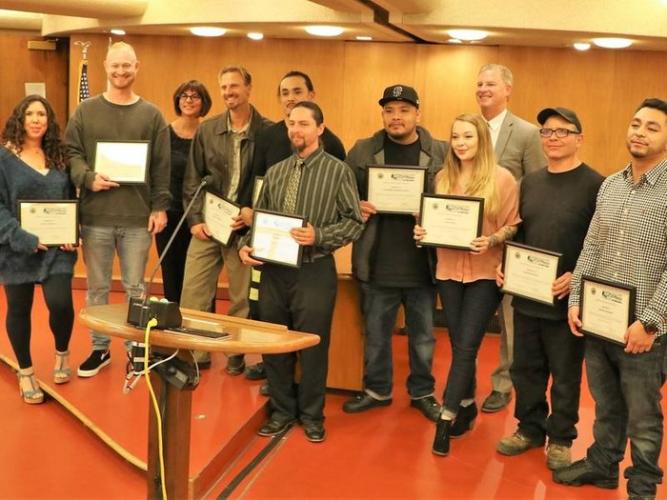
x=289, y=203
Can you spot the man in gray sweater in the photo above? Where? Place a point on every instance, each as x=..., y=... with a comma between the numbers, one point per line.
x=114, y=217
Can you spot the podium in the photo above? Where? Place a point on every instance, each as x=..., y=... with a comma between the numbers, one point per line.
x=246, y=336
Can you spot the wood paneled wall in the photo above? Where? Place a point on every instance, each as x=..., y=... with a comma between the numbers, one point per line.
x=604, y=87
x=19, y=65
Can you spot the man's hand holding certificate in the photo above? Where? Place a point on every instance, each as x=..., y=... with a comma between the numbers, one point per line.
x=277, y=238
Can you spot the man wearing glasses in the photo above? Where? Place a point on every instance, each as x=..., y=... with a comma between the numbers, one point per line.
x=223, y=147
x=556, y=205
x=517, y=147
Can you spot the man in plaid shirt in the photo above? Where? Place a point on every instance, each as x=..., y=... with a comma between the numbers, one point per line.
x=627, y=244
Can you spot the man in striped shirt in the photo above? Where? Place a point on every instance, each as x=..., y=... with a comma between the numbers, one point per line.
x=627, y=244
x=321, y=188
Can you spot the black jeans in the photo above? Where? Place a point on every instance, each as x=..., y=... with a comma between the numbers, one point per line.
x=468, y=309
x=302, y=299
x=544, y=348
x=173, y=265
x=58, y=296
x=626, y=390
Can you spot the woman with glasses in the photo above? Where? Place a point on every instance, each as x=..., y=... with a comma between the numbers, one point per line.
x=191, y=103
x=32, y=167
x=466, y=278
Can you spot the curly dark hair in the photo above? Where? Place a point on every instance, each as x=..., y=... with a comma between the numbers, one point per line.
x=14, y=132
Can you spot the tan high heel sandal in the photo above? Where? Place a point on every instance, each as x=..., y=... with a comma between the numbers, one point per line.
x=35, y=395
x=61, y=375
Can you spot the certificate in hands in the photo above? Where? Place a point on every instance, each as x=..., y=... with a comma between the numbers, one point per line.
x=123, y=162
x=271, y=239
x=396, y=189
x=530, y=272
x=606, y=308
x=219, y=216
x=451, y=221
x=54, y=222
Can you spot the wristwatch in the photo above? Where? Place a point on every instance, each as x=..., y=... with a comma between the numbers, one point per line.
x=650, y=327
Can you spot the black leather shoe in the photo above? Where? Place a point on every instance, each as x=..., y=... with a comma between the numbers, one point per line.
x=235, y=364
x=314, y=431
x=441, y=440
x=255, y=372
x=465, y=419
x=428, y=406
x=264, y=389
x=582, y=472
x=363, y=402
x=496, y=401
x=274, y=426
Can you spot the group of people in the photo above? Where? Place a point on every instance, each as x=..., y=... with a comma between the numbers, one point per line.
x=536, y=191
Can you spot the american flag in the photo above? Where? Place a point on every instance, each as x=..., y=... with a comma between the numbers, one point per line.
x=84, y=89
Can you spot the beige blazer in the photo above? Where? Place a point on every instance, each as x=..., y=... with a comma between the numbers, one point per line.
x=519, y=148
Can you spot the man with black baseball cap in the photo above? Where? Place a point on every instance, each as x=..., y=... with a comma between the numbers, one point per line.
x=391, y=269
x=556, y=206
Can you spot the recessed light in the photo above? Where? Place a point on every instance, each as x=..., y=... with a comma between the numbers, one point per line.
x=612, y=43
x=255, y=35
x=364, y=38
x=207, y=31
x=117, y=31
x=454, y=40
x=582, y=46
x=324, y=30
x=468, y=35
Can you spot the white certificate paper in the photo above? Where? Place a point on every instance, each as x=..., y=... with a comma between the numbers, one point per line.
x=257, y=189
x=55, y=223
x=396, y=190
x=271, y=239
x=530, y=272
x=606, y=309
x=451, y=221
x=123, y=162
x=219, y=215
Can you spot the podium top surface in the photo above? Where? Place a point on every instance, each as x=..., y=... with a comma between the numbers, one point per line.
x=246, y=336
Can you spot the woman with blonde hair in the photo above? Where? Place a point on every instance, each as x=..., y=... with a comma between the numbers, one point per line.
x=466, y=278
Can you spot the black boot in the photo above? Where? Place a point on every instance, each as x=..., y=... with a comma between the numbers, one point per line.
x=441, y=440
x=465, y=419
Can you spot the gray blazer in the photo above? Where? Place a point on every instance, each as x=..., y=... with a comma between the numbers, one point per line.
x=519, y=148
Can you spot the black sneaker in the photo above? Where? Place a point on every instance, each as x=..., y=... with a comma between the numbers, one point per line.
x=95, y=362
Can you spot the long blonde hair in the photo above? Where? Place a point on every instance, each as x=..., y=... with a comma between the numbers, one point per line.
x=483, y=181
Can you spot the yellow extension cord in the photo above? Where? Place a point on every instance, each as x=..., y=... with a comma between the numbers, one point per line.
x=156, y=406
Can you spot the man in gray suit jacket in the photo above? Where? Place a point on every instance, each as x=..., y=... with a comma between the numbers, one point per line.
x=518, y=149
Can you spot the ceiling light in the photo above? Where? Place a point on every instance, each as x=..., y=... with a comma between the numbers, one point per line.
x=454, y=40
x=612, y=43
x=117, y=31
x=255, y=35
x=207, y=31
x=324, y=30
x=468, y=35
x=581, y=46
x=364, y=38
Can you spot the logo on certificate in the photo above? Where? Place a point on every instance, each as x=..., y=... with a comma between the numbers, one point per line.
x=435, y=206
x=380, y=175
x=593, y=291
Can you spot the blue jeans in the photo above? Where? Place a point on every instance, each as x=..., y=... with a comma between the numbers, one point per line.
x=99, y=246
x=468, y=309
x=380, y=307
x=626, y=390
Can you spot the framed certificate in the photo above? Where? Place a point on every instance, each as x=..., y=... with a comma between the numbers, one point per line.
x=396, y=189
x=257, y=189
x=606, y=308
x=271, y=239
x=123, y=162
x=219, y=215
x=54, y=222
x=451, y=221
x=530, y=272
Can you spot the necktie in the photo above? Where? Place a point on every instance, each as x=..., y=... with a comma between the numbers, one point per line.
x=289, y=203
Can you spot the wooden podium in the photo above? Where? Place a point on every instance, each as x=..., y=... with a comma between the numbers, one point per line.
x=246, y=336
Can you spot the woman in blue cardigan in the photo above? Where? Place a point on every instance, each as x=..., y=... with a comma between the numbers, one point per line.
x=32, y=167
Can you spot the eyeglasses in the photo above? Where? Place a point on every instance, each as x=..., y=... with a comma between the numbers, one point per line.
x=190, y=97
x=560, y=132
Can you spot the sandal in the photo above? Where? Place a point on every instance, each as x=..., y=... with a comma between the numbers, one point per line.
x=35, y=395
x=61, y=375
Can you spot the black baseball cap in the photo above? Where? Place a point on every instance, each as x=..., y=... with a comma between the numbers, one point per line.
x=400, y=93
x=566, y=114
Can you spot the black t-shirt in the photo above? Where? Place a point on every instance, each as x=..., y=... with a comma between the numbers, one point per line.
x=556, y=210
x=180, y=150
x=398, y=262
